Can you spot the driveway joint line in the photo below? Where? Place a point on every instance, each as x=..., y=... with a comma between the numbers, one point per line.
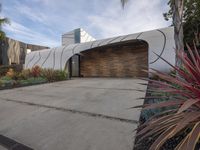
x=95, y=115
x=104, y=88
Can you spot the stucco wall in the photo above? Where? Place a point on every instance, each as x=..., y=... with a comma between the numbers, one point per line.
x=160, y=41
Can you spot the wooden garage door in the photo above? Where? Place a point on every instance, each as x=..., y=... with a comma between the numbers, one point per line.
x=118, y=61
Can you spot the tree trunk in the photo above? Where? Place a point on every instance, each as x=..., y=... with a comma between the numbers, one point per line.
x=177, y=8
x=1, y=57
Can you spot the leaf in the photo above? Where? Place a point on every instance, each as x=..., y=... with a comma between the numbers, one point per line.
x=162, y=138
x=183, y=144
x=156, y=122
x=193, y=57
x=187, y=104
x=164, y=104
x=160, y=128
x=180, y=72
x=188, y=118
x=194, y=136
x=184, y=90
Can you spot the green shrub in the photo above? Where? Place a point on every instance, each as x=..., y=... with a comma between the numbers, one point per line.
x=60, y=75
x=32, y=80
x=4, y=69
x=53, y=75
x=23, y=82
x=35, y=75
x=1, y=84
x=37, y=80
x=25, y=74
x=49, y=74
x=7, y=81
x=6, y=78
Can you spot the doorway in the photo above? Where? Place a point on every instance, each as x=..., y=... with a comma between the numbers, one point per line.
x=75, y=65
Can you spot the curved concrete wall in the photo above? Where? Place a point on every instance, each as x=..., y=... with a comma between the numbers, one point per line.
x=159, y=41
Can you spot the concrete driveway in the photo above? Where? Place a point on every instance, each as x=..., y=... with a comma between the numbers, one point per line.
x=78, y=114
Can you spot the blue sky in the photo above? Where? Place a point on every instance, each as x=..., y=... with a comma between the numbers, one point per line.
x=44, y=21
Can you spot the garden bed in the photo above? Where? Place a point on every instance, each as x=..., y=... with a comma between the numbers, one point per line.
x=36, y=75
x=13, y=84
x=146, y=114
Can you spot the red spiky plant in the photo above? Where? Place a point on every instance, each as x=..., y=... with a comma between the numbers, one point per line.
x=184, y=88
x=36, y=71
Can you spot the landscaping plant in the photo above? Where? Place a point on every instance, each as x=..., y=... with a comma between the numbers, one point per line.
x=54, y=75
x=35, y=75
x=32, y=80
x=7, y=81
x=4, y=69
x=61, y=75
x=183, y=115
x=49, y=74
x=24, y=74
x=10, y=73
x=36, y=71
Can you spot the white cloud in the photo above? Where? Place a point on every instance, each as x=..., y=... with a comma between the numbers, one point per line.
x=43, y=21
x=136, y=17
x=30, y=13
x=20, y=32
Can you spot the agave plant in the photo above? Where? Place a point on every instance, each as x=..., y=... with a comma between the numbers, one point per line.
x=184, y=104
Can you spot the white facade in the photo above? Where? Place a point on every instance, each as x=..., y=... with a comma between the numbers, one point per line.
x=160, y=41
x=76, y=36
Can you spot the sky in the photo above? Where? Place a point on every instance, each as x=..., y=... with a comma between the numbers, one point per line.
x=42, y=22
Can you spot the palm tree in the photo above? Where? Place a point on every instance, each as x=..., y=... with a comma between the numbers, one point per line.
x=124, y=2
x=177, y=11
x=2, y=22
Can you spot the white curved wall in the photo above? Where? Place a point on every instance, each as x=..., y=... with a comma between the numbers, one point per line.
x=159, y=41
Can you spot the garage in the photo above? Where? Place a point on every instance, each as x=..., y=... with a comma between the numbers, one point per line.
x=119, y=60
x=121, y=56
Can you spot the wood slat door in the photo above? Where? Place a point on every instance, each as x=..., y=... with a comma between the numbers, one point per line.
x=126, y=61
